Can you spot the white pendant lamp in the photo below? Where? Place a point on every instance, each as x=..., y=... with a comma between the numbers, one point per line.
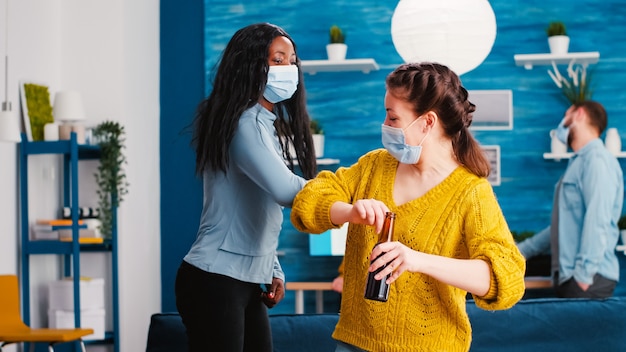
x=455, y=33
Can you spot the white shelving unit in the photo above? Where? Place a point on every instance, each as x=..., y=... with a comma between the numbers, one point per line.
x=621, y=248
x=315, y=66
x=559, y=156
x=530, y=60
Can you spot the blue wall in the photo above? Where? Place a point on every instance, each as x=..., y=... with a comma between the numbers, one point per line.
x=350, y=104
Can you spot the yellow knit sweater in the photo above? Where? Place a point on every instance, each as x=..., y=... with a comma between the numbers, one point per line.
x=459, y=218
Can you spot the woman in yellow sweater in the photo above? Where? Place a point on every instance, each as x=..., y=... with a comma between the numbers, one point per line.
x=451, y=235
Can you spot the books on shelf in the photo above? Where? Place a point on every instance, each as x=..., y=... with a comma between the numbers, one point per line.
x=85, y=240
x=61, y=229
x=57, y=222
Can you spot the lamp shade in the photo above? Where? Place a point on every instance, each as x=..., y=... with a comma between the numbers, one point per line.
x=455, y=33
x=9, y=127
x=68, y=106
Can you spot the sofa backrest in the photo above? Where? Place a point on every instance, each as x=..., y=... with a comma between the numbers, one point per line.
x=166, y=333
x=551, y=324
x=290, y=332
x=542, y=324
x=303, y=332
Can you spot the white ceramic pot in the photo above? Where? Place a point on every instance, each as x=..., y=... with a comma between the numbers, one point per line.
x=559, y=44
x=556, y=146
x=612, y=141
x=336, y=51
x=318, y=144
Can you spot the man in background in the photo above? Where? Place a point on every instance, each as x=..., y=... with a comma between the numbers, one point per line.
x=587, y=206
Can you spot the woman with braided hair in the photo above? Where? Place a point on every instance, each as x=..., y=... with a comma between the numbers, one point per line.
x=451, y=237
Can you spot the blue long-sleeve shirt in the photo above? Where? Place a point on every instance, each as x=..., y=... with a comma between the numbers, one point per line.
x=589, y=206
x=242, y=211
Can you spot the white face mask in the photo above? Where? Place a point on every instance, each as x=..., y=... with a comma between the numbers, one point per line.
x=394, y=141
x=282, y=82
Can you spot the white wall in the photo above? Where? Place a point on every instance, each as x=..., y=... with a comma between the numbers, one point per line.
x=109, y=51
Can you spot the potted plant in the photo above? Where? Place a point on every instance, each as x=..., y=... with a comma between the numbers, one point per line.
x=576, y=86
x=621, y=224
x=318, y=138
x=539, y=265
x=557, y=38
x=110, y=178
x=336, y=49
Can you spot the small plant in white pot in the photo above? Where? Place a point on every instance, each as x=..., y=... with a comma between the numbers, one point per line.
x=557, y=38
x=337, y=47
x=318, y=138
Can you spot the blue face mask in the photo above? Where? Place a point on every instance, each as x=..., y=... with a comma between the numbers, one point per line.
x=562, y=132
x=282, y=82
x=394, y=141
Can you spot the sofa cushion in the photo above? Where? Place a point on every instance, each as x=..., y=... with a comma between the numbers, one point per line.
x=303, y=332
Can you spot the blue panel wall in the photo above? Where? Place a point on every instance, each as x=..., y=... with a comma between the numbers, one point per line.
x=350, y=104
x=182, y=87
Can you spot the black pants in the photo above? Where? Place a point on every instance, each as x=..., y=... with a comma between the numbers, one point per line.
x=221, y=313
x=601, y=288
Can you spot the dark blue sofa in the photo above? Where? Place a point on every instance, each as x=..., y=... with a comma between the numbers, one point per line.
x=542, y=324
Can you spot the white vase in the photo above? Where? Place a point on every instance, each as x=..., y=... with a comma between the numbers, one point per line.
x=318, y=144
x=559, y=44
x=336, y=51
x=556, y=146
x=612, y=141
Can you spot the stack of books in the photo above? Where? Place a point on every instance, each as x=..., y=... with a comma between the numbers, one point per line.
x=61, y=229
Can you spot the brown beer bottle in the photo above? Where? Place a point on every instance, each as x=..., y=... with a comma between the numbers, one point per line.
x=378, y=290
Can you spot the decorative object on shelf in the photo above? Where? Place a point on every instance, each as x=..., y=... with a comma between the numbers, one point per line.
x=336, y=49
x=577, y=87
x=68, y=108
x=492, y=152
x=494, y=109
x=612, y=141
x=51, y=131
x=110, y=178
x=556, y=146
x=318, y=138
x=36, y=109
x=558, y=40
x=439, y=31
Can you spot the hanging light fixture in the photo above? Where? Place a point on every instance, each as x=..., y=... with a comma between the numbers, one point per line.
x=455, y=33
x=9, y=123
